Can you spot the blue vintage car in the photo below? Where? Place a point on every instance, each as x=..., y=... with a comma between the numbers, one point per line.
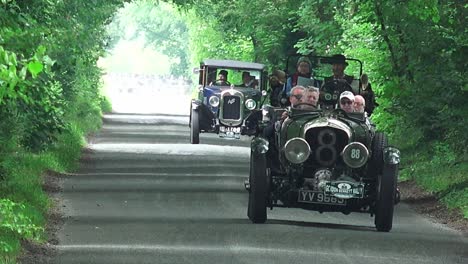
x=230, y=96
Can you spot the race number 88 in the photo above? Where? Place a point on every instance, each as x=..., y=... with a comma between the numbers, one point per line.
x=356, y=154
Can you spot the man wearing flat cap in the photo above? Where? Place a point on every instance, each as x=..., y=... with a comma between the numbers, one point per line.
x=338, y=66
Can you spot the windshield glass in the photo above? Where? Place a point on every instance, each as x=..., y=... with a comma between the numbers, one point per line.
x=237, y=77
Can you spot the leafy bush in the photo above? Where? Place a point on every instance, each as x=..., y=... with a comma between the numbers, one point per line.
x=16, y=222
x=49, y=99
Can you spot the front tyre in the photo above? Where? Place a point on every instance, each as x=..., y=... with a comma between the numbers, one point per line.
x=386, y=187
x=194, y=127
x=257, y=207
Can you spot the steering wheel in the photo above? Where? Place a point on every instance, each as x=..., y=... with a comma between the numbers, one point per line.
x=226, y=82
x=305, y=106
x=340, y=111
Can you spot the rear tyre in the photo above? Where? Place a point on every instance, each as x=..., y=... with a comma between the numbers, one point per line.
x=257, y=206
x=194, y=127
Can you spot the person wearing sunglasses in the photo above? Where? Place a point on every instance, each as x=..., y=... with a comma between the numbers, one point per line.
x=347, y=101
x=296, y=95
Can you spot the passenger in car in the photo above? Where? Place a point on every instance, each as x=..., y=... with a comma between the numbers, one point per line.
x=304, y=70
x=310, y=98
x=359, y=104
x=247, y=80
x=347, y=101
x=368, y=94
x=277, y=81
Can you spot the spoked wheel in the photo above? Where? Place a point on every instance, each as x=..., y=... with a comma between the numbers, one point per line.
x=256, y=210
x=194, y=127
x=385, y=203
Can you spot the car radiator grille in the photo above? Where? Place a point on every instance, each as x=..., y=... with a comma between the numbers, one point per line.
x=231, y=107
x=326, y=145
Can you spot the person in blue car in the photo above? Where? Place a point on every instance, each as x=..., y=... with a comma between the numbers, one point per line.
x=222, y=79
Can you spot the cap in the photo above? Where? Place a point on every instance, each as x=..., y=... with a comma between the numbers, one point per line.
x=223, y=72
x=347, y=94
x=303, y=59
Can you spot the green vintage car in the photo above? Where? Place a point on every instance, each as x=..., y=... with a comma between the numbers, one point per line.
x=323, y=160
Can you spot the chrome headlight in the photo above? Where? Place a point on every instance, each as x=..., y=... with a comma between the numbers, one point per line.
x=250, y=104
x=355, y=154
x=214, y=101
x=260, y=145
x=266, y=109
x=391, y=155
x=297, y=150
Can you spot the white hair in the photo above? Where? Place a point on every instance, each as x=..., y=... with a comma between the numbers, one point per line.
x=313, y=89
x=361, y=97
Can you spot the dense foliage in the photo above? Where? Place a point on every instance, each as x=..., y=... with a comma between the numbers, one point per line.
x=49, y=97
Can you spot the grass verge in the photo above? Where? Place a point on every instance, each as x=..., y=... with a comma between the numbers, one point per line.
x=442, y=173
x=23, y=203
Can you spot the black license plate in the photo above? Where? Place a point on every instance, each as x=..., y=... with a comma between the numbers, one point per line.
x=315, y=197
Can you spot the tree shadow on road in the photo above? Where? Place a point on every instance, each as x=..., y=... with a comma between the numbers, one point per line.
x=320, y=225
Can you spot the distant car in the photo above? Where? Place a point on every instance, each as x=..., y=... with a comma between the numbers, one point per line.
x=228, y=108
x=324, y=160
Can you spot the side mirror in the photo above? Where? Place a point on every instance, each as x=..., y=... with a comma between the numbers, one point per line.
x=196, y=70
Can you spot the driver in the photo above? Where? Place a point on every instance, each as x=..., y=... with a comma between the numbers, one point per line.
x=222, y=78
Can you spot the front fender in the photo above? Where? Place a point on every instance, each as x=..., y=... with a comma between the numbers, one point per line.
x=259, y=145
x=206, y=117
x=196, y=103
x=391, y=156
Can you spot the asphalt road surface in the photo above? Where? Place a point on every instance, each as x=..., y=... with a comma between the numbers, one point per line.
x=144, y=195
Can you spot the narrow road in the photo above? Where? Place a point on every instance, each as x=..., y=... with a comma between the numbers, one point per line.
x=144, y=195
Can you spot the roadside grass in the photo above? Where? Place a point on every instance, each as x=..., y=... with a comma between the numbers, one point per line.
x=23, y=203
x=439, y=171
x=106, y=105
